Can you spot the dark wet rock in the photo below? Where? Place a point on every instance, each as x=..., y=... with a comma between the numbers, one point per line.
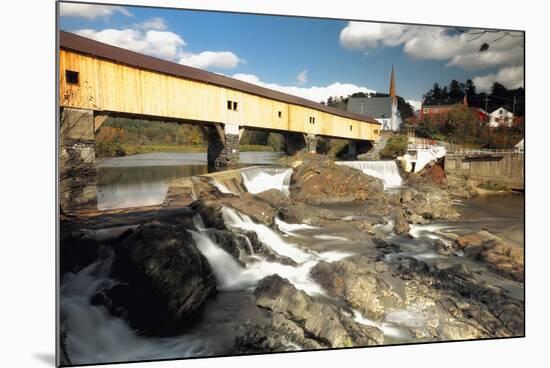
x=281, y=335
x=78, y=248
x=502, y=257
x=317, y=179
x=165, y=279
x=409, y=265
x=356, y=281
x=64, y=359
x=293, y=310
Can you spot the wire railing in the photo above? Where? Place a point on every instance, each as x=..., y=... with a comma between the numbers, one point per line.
x=483, y=151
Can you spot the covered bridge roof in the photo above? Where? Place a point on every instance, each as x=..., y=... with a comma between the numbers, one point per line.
x=76, y=43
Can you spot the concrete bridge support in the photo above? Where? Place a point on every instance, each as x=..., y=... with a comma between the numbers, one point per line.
x=77, y=171
x=223, y=145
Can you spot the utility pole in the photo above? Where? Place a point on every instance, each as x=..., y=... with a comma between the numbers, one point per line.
x=514, y=107
x=486, y=100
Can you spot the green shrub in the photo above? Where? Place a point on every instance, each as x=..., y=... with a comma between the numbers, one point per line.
x=109, y=149
x=396, y=146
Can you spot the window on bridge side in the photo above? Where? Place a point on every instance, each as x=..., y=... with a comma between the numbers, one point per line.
x=311, y=120
x=280, y=114
x=232, y=105
x=350, y=128
x=71, y=76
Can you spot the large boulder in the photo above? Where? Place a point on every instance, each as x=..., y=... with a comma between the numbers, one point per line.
x=356, y=281
x=317, y=179
x=165, y=279
x=293, y=211
x=299, y=314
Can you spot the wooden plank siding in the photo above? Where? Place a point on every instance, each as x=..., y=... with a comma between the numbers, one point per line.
x=109, y=86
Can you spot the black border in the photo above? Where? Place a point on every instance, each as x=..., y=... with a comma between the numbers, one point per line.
x=57, y=211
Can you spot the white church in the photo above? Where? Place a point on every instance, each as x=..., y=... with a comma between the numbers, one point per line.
x=383, y=109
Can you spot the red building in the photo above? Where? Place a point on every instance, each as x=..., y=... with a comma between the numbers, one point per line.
x=481, y=114
x=440, y=106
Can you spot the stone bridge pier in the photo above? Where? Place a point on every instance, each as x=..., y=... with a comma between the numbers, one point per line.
x=223, y=145
x=295, y=142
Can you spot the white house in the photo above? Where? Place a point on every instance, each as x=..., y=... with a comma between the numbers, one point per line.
x=501, y=117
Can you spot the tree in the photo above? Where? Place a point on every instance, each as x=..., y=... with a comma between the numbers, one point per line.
x=455, y=90
x=498, y=90
x=470, y=89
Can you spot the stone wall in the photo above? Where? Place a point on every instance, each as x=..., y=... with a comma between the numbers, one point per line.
x=77, y=170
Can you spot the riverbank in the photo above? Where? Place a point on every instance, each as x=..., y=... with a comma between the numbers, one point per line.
x=310, y=255
x=112, y=149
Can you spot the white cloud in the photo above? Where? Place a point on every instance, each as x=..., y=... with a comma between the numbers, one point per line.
x=416, y=104
x=510, y=77
x=90, y=11
x=425, y=42
x=154, y=23
x=316, y=94
x=162, y=44
x=301, y=78
x=211, y=59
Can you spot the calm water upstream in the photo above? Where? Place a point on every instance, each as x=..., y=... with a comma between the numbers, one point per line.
x=142, y=180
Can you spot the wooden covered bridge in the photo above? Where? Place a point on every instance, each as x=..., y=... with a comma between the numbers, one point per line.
x=97, y=79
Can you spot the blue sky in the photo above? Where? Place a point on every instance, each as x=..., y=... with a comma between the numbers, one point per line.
x=313, y=58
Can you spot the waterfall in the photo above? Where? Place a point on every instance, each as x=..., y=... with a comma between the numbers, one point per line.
x=259, y=179
x=385, y=170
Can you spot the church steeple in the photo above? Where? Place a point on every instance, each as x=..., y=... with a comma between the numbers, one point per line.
x=392, y=85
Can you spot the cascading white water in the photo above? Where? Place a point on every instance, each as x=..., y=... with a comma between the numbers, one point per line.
x=290, y=229
x=259, y=179
x=229, y=274
x=298, y=275
x=387, y=171
x=232, y=276
x=222, y=187
x=265, y=234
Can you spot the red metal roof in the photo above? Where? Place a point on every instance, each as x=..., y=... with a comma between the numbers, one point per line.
x=76, y=43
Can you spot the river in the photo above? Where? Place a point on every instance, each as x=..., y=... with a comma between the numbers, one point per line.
x=96, y=337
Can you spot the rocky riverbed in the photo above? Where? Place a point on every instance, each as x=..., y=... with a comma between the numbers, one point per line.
x=327, y=259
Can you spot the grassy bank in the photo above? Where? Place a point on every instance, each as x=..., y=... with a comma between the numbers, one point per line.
x=112, y=149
